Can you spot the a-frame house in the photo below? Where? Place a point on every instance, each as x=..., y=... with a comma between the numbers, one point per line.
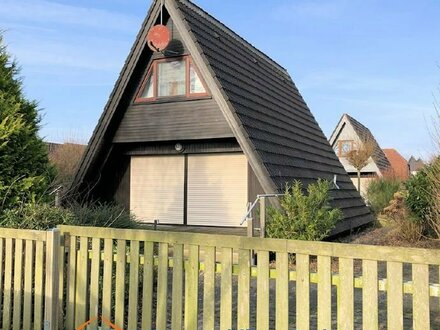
x=347, y=136
x=190, y=135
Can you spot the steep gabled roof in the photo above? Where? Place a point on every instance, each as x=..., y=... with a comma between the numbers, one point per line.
x=399, y=165
x=260, y=102
x=364, y=134
x=415, y=164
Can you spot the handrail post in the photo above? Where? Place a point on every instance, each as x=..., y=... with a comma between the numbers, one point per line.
x=262, y=216
x=52, y=280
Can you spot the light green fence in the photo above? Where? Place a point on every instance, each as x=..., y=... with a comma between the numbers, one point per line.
x=152, y=279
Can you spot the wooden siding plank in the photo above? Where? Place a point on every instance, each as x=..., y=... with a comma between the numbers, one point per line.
x=346, y=294
x=71, y=285
x=394, y=295
x=121, y=256
x=82, y=271
x=147, y=286
x=192, y=288
x=209, y=288
x=302, y=291
x=133, y=289
x=262, y=290
x=421, y=317
x=282, y=291
x=177, y=289
x=38, y=296
x=226, y=289
x=28, y=273
x=370, y=315
x=324, y=293
x=243, y=299
x=94, y=280
x=7, y=290
x=18, y=289
x=107, y=281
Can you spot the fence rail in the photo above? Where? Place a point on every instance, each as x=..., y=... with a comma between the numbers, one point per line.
x=141, y=279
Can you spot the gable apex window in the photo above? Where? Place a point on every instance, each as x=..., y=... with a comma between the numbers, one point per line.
x=169, y=78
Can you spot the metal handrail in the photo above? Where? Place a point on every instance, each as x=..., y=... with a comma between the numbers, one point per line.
x=246, y=216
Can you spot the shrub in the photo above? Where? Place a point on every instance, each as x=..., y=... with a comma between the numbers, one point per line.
x=418, y=197
x=303, y=216
x=380, y=192
x=44, y=216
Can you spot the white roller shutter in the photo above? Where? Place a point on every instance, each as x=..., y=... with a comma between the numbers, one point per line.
x=217, y=189
x=156, y=188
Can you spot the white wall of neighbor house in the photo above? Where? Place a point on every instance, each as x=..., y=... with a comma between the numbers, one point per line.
x=348, y=133
x=217, y=189
x=365, y=181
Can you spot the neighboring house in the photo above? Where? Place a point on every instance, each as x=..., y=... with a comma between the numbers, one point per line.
x=399, y=166
x=415, y=165
x=193, y=134
x=346, y=137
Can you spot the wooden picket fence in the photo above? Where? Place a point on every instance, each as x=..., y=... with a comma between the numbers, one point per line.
x=140, y=279
x=28, y=262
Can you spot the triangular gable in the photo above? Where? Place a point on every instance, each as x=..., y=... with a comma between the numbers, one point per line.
x=362, y=133
x=267, y=115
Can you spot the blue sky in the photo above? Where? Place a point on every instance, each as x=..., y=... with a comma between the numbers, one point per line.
x=376, y=60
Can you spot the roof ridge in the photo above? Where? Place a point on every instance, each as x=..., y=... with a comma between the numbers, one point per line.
x=232, y=34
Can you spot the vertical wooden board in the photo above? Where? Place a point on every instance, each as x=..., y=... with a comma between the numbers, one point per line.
x=191, y=288
x=18, y=289
x=177, y=290
x=302, y=291
x=1, y=269
x=162, y=286
x=147, y=286
x=324, y=292
x=7, y=290
x=262, y=290
x=346, y=294
x=243, y=299
x=282, y=291
x=133, y=288
x=51, y=280
x=107, y=281
x=82, y=272
x=370, y=316
x=394, y=295
x=71, y=285
x=61, y=279
x=209, y=288
x=120, y=282
x=28, y=272
x=94, y=280
x=421, y=317
x=38, y=296
x=226, y=289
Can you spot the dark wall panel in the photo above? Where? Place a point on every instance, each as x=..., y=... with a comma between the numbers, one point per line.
x=184, y=120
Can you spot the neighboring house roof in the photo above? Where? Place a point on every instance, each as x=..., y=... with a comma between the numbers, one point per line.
x=364, y=134
x=399, y=165
x=268, y=116
x=415, y=165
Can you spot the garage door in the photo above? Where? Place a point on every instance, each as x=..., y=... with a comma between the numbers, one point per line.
x=157, y=188
x=217, y=189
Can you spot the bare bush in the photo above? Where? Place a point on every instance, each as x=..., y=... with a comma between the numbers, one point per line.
x=360, y=156
x=65, y=158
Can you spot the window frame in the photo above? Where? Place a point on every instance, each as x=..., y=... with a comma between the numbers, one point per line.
x=153, y=73
x=340, y=143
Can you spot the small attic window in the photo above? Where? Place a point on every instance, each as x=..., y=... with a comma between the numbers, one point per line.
x=170, y=78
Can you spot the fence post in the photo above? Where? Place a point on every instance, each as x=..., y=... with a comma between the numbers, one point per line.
x=52, y=280
x=262, y=216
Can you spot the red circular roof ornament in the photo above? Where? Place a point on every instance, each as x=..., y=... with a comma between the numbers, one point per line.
x=158, y=38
